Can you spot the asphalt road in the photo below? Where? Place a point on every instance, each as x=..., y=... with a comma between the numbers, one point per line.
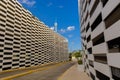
x=18, y=71
x=45, y=72
x=52, y=73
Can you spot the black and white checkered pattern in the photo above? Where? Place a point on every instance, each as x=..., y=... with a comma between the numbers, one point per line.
x=25, y=41
x=100, y=33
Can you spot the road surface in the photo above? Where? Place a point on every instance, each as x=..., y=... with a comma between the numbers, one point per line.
x=49, y=72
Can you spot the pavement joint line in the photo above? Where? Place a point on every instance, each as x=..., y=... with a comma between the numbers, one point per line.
x=31, y=71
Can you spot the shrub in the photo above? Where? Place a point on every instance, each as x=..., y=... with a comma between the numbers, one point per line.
x=79, y=62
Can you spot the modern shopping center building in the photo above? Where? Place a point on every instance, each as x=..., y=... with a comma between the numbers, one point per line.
x=25, y=41
x=100, y=34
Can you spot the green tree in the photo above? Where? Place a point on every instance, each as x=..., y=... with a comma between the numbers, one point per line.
x=78, y=56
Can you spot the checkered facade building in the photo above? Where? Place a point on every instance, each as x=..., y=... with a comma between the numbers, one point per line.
x=25, y=41
x=100, y=35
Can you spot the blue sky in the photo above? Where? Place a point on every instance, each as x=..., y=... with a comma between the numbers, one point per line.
x=64, y=12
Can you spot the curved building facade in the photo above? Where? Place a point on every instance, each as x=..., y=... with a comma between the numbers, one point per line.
x=100, y=34
x=25, y=41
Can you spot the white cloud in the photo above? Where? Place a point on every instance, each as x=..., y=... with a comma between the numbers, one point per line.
x=28, y=2
x=52, y=28
x=70, y=28
x=49, y=4
x=60, y=6
x=62, y=30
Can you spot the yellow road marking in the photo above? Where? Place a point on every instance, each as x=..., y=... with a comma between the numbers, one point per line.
x=31, y=71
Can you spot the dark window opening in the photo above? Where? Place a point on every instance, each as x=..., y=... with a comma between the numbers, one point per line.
x=101, y=76
x=90, y=51
x=89, y=1
x=15, y=64
x=8, y=39
x=96, y=22
x=7, y=43
x=7, y=58
x=1, y=40
x=6, y=63
x=94, y=7
x=6, y=68
x=16, y=51
x=1, y=55
x=1, y=45
x=92, y=76
x=22, y=61
x=1, y=50
x=7, y=53
x=104, y=2
x=102, y=58
x=99, y=39
x=2, y=35
x=86, y=56
x=88, y=26
x=88, y=38
x=86, y=16
x=115, y=73
x=22, y=65
x=1, y=61
x=113, y=17
x=114, y=45
x=27, y=66
x=91, y=63
x=85, y=6
x=15, y=59
x=8, y=48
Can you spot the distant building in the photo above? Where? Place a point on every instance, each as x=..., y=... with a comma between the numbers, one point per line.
x=100, y=34
x=25, y=41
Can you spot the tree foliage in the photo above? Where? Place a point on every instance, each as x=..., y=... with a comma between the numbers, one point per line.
x=77, y=54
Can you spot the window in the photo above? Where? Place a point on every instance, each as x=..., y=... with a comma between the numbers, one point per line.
x=89, y=1
x=6, y=58
x=22, y=65
x=85, y=6
x=94, y=7
x=104, y=2
x=2, y=35
x=6, y=63
x=88, y=38
x=86, y=16
x=102, y=58
x=115, y=73
x=91, y=63
x=15, y=64
x=113, y=17
x=8, y=48
x=6, y=68
x=96, y=22
x=7, y=53
x=88, y=26
x=90, y=50
x=114, y=45
x=101, y=76
x=92, y=76
x=99, y=39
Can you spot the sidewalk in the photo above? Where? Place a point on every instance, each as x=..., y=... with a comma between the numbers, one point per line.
x=75, y=73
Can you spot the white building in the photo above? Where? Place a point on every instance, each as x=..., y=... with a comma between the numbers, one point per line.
x=100, y=33
x=25, y=41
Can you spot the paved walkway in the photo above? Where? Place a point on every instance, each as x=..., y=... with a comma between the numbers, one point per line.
x=75, y=73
